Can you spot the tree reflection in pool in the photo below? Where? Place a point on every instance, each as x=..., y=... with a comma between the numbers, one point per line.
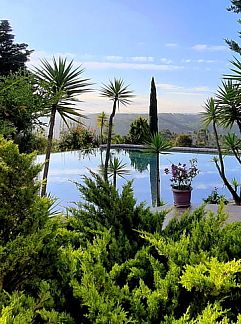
x=68, y=167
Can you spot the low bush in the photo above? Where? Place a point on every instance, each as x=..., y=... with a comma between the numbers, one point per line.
x=77, y=138
x=109, y=260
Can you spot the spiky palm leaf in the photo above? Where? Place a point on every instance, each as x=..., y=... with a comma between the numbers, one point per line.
x=63, y=83
x=228, y=98
x=211, y=113
x=117, y=91
x=157, y=144
x=236, y=76
x=119, y=94
x=117, y=166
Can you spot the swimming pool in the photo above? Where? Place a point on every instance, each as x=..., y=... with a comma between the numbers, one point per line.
x=68, y=167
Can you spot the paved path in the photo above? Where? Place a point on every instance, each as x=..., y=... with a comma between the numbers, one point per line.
x=233, y=211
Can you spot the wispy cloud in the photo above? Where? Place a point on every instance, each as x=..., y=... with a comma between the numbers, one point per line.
x=142, y=59
x=95, y=65
x=114, y=58
x=173, y=45
x=211, y=48
x=199, y=61
x=181, y=90
x=165, y=60
x=92, y=62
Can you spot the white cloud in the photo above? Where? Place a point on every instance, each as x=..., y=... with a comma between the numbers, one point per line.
x=180, y=90
x=143, y=63
x=95, y=65
x=165, y=60
x=36, y=56
x=200, y=61
x=173, y=45
x=211, y=48
x=114, y=58
x=142, y=59
x=168, y=86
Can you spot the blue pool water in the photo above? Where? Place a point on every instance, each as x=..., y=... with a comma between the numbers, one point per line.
x=68, y=167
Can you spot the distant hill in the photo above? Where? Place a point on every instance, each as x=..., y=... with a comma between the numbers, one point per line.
x=178, y=123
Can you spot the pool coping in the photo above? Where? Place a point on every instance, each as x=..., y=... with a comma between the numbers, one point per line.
x=172, y=149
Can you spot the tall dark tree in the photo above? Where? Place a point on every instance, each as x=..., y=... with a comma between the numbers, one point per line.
x=153, y=119
x=236, y=8
x=12, y=56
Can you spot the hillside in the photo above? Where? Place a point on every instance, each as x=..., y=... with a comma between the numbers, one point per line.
x=178, y=123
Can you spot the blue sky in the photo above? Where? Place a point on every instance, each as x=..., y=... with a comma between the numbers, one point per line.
x=180, y=43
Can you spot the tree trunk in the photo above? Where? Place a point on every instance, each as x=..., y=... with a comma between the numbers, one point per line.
x=221, y=169
x=158, y=194
x=48, y=151
x=114, y=179
x=153, y=179
x=108, y=145
x=101, y=134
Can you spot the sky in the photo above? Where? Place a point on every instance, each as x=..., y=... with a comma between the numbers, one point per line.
x=180, y=43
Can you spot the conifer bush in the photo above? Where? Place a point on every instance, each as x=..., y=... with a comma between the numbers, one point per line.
x=109, y=260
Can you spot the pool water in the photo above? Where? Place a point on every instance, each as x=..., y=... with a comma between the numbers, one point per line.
x=68, y=167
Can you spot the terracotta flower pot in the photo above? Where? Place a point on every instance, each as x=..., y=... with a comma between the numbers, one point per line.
x=182, y=198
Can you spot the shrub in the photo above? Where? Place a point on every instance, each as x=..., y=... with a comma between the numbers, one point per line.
x=77, y=138
x=183, y=140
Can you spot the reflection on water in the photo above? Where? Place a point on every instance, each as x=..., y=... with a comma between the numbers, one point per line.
x=68, y=167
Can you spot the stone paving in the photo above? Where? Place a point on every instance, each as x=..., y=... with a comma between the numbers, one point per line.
x=233, y=211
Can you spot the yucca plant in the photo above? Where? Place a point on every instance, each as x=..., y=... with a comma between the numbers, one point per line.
x=233, y=142
x=62, y=83
x=228, y=98
x=211, y=116
x=119, y=93
x=101, y=123
x=117, y=168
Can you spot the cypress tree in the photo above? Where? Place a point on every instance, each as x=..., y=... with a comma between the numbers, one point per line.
x=153, y=119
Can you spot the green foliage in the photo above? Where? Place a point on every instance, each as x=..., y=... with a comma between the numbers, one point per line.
x=61, y=83
x=76, y=138
x=116, y=211
x=19, y=203
x=20, y=104
x=139, y=131
x=120, y=94
x=218, y=277
x=110, y=260
x=157, y=144
x=215, y=198
x=12, y=56
x=118, y=139
x=183, y=140
x=236, y=8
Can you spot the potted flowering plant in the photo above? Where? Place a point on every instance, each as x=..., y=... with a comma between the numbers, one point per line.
x=181, y=182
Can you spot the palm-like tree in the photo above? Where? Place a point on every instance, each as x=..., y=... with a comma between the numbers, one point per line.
x=211, y=116
x=117, y=168
x=101, y=123
x=157, y=144
x=228, y=98
x=117, y=92
x=62, y=83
